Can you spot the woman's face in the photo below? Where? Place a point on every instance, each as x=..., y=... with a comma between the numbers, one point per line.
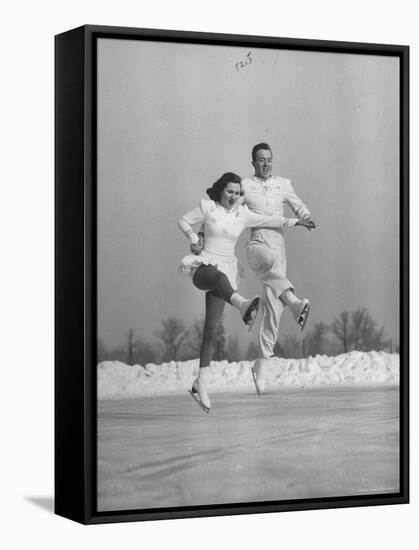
x=230, y=195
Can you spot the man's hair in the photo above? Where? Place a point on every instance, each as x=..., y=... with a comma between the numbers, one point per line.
x=217, y=188
x=258, y=147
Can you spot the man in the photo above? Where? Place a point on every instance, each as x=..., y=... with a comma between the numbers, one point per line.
x=267, y=194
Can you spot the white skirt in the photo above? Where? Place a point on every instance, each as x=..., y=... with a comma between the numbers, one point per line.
x=191, y=263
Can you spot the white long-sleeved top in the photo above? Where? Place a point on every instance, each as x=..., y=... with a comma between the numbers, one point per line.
x=223, y=227
x=268, y=197
x=222, y=230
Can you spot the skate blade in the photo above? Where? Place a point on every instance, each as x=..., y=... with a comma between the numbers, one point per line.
x=254, y=380
x=302, y=320
x=195, y=397
x=251, y=315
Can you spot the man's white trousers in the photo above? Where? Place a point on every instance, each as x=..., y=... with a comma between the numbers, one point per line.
x=269, y=265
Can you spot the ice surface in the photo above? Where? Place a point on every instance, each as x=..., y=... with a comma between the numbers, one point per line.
x=291, y=443
x=117, y=380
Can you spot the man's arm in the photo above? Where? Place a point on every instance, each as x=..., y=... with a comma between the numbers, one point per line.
x=296, y=204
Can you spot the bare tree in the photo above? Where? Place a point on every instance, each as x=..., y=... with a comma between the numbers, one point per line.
x=340, y=328
x=130, y=345
x=358, y=331
x=365, y=336
x=134, y=351
x=173, y=336
x=316, y=339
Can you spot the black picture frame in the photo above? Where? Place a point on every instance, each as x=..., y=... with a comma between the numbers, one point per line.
x=76, y=273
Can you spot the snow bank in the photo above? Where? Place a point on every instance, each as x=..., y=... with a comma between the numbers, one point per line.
x=118, y=380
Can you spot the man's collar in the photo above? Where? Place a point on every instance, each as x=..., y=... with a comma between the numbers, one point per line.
x=261, y=180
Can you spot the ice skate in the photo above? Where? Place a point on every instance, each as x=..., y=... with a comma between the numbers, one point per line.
x=301, y=311
x=199, y=393
x=249, y=310
x=258, y=375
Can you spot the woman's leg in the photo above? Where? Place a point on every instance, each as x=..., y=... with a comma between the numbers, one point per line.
x=214, y=307
x=208, y=277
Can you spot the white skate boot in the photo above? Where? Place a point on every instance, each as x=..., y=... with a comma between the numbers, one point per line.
x=199, y=393
x=258, y=374
x=300, y=311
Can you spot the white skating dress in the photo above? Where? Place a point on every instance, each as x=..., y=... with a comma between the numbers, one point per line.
x=222, y=230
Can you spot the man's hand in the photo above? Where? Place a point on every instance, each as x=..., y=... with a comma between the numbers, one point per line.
x=198, y=247
x=308, y=224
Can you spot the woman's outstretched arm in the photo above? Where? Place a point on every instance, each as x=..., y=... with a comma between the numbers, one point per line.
x=257, y=220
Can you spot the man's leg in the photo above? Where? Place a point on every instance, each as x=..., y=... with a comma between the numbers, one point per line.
x=269, y=266
x=272, y=309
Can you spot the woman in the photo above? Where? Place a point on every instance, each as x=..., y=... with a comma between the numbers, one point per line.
x=213, y=266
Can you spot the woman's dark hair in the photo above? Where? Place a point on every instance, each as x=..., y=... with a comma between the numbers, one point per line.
x=217, y=188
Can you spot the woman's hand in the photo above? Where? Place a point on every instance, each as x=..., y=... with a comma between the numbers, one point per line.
x=308, y=224
x=198, y=247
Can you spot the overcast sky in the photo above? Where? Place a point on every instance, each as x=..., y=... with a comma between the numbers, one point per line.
x=173, y=117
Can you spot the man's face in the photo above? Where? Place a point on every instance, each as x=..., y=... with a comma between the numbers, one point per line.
x=263, y=163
